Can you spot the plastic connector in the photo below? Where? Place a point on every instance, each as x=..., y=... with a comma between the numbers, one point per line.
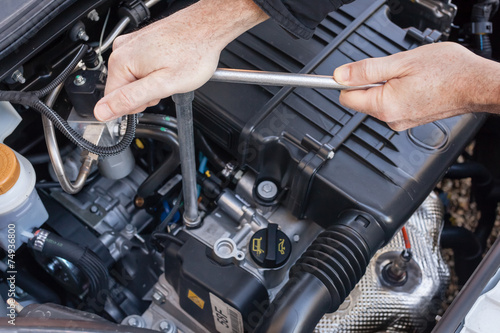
x=135, y=10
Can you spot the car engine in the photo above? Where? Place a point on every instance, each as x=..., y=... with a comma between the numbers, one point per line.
x=288, y=213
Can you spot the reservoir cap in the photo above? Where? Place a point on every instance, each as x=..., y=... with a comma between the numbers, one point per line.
x=9, y=168
x=270, y=247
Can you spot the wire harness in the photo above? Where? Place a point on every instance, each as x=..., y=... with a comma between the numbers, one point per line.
x=32, y=99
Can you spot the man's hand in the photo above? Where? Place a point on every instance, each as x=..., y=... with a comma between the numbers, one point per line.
x=174, y=55
x=422, y=85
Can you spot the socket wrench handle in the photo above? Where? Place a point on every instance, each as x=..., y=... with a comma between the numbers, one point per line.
x=283, y=79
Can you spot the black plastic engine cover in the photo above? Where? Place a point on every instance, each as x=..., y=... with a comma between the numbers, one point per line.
x=287, y=134
x=212, y=293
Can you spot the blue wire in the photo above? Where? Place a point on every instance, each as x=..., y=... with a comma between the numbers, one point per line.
x=481, y=41
x=202, y=169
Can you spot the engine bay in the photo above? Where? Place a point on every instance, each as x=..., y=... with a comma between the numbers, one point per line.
x=289, y=213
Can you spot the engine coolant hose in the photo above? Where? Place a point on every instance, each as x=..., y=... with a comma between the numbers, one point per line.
x=32, y=99
x=324, y=275
x=51, y=245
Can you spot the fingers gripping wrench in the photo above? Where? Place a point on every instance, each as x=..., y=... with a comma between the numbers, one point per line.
x=184, y=111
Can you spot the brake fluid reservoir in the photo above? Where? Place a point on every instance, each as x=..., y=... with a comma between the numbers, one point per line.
x=21, y=209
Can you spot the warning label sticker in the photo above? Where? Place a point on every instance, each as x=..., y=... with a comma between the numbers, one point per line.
x=227, y=319
x=196, y=299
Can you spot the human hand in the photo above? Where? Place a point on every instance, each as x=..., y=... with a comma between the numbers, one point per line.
x=174, y=55
x=423, y=85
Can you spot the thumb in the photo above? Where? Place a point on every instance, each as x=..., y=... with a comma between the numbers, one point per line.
x=130, y=98
x=366, y=71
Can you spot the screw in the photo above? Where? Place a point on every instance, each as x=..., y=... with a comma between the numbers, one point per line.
x=17, y=76
x=267, y=190
x=132, y=321
x=82, y=35
x=93, y=15
x=296, y=238
x=94, y=209
x=166, y=326
x=79, y=80
x=158, y=296
x=129, y=228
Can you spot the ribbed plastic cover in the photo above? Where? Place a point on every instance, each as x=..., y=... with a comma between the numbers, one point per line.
x=384, y=173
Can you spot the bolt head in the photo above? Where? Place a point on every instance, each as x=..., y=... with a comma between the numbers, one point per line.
x=165, y=326
x=132, y=321
x=79, y=80
x=93, y=15
x=267, y=190
x=158, y=296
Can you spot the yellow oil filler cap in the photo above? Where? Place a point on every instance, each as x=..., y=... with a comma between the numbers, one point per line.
x=9, y=169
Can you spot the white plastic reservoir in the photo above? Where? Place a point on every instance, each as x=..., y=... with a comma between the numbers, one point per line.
x=21, y=209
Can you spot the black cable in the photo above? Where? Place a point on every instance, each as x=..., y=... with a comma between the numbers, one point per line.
x=159, y=119
x=166, y=236
x=148, y=187
x=32, y=99
x=64, y=74
x=163, y=225
x=80, y=141
x=214, y=159
x=43, y=158
x=42, y=185
x=32, y=144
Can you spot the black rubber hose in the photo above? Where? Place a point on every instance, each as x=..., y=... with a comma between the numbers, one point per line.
x=43, y=158
x=204, y=146
x=86, y=260
x=337, y=259
x=159, y=120
x=463, y=242
x=298, y=307
x=35, y=288
x=148, y=187
x=478, y=172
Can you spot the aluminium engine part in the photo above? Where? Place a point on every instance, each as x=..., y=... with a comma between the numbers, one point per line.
x=107, y=205
x=373, y=306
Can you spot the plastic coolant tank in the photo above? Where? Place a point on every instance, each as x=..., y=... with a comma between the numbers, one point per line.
x=21, y=209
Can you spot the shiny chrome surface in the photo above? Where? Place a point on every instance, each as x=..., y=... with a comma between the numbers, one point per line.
x=282, y=79
x=375, y=307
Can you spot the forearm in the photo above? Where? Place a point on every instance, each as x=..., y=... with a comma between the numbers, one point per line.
x=216, y=22
x=484, y=87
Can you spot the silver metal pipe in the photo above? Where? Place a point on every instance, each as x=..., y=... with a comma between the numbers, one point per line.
x=185, y=133
x=282, y=79
x=117, y=30
x=55, y=155
x=120, y=27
